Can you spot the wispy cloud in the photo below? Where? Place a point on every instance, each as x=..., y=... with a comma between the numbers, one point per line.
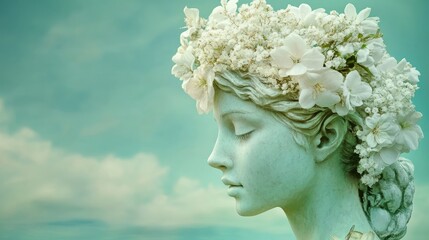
x=43, y=184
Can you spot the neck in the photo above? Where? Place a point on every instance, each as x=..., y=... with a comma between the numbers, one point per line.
x=329, y=209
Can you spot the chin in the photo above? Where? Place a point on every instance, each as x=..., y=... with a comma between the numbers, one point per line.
x=248, y=211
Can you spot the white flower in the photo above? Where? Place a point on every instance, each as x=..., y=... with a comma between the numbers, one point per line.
x=184, y=60
x=369, y=25
x=411, y=73
x=387, y=64
x=220, y=13
x=295, y=57
x=410, y=133
x=372, y=53
x=320, y=88
x=364, y=58
x=345, y=50
x=354, y=91
x=380, y=130
x=192, y=17
x=193, y=23
x=305, y=13
x=386, y=156
x=200, y=88
x=230, y=5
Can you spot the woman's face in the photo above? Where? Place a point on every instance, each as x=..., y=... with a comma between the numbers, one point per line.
x=262, y=165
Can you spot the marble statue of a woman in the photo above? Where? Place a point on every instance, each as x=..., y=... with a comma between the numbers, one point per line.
x=312, y=113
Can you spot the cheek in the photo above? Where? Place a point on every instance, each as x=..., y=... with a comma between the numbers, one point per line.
x=275, y=165
x=263, y=163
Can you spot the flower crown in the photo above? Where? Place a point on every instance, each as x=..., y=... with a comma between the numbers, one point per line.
x=336, y=61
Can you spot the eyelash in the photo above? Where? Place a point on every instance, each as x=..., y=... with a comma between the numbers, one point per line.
x=245, y=136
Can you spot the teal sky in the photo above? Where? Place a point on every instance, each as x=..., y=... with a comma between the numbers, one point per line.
x=98, y=141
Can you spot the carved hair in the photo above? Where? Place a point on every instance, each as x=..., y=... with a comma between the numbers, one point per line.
x=387, y=204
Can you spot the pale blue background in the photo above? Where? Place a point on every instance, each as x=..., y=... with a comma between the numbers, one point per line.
x=92, y=78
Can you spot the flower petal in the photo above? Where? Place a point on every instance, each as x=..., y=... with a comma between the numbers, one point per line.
x=389, y=155
x=297, y=69
x=363, y=15
x=327, y=99
x=194, y=87
x=341, y=109
x=370, y=26
x=352, y=79
x=313, y=59
x=350, y=11
x=217, y=15
x=331, y=79
x=410, y=140
x=307, y=80
x=304, y=10
x=345, y=49
x=372, y=121
x=361, y=92
x=362, y=55
x=231, y=6
x=192, y=15
x=310, y=19
x=370, y=140
x=282, y=58
x=296, y=45
x=306, y=99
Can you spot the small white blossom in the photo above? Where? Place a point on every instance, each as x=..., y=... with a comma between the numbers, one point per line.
x=345, y=50
x=410, y=133
x=184, y=61
x=192, y=17
x=371, y=54
x=386, y=156
x=411, y=73
x=295, y=57
x=320, y=88
x=369, y=25
x=200, y=88
x=368, y=180
x=305, y=14
x=387, y=64
x=354, y=92
x=220, y=15
x=380, y=130
x=351, y=14
x=364, y=58
x=336, y=62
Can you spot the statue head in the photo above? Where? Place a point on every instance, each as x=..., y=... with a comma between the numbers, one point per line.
x=303, y=98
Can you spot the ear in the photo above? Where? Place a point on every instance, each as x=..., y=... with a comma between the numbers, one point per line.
x=329, y=138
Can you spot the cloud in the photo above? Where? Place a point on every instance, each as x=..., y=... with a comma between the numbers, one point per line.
x=41, y=183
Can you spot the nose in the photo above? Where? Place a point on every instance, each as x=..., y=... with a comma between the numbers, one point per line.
x=219, y=158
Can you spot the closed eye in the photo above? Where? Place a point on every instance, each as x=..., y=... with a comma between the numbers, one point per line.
x=245, y=136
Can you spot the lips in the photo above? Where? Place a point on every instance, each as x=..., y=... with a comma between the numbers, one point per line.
x=234, y=187
x=230, y=182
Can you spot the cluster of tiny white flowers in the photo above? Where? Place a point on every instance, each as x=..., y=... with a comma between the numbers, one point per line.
x=333, y=60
